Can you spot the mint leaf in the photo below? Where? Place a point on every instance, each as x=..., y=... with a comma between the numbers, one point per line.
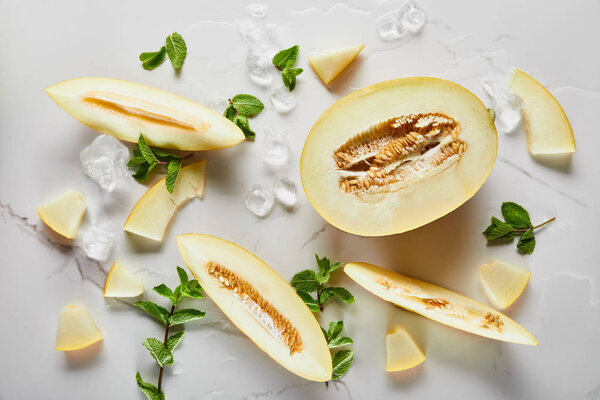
x=153, y=59
x=158, y=351
x=143, y=171
x=339, y=342
x=148, y=389
x=526, y=243
x=339, y=292
x=516, y=215
x=288, y=76
x=341, y=361
x=146, y=151
x=174, y=340
x=247, y=105
x=185, y=315
x=309, y=301
x=176, y=50
x=230, y=113
x=242, y=122
x=136, y=161
x=499, y=229
x=172, y=174
x=164, y=290
x=183, y=276
x=335, y=328
x=325, y=268
x=286, y=57
x=163, y=155
x=158, y=312
x=192, y=289
x=305, y=281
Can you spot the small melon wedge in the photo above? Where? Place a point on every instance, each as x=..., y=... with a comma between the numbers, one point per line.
x=548, y=128
x=260, y=303
x=328, y=64
x=151, y=215
x=64, y=213
x=503, y=282
x=120, y=282
x=439, y=304
x=401, y=352
x=76, y=329
x=125, y=110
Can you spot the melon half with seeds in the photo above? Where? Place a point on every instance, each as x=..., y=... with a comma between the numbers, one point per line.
x=397, y=155
x=260, y=303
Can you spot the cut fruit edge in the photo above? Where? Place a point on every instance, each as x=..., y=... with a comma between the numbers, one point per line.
x=413, y=356
x=490, y=275
x=64, y=213
x=76, y=329
x=120, y=282
x=330, y=63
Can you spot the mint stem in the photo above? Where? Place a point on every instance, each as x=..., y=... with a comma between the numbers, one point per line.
x=162, y=368
x=319, y=297
x=537, y=226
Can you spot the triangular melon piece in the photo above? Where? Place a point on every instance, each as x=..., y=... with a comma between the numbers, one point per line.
x=401, y=352
x=503, y=282
x=76, y=329
x=120, y=282
x=328, y=64
x=64, y=213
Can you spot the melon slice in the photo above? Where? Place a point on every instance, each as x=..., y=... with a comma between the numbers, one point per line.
x=397, y=155
x=401, y=352
x=151, y=215
x=120, y=282
x=438, y=304
x=64, y=213
x=76, y=329
x=547, y=126
x=260, y=303
x=503, y=282
x=328, y=64
x=125, y=110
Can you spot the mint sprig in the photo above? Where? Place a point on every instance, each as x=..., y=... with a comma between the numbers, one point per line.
x=241, y=107
x=175, y=48
x=151, y=60
x=162, y=351
x=283, y=61
x=516, y=222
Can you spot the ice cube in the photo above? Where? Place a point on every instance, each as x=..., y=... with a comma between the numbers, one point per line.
x=105, y=161
x=283, y=100
x=260, y=37
x=260, y=69
x=176, y=368
x=275, y=148
x=285, y=191
x=219, y=104
x=506, y=104
x=97, y=243
x=401, y=24
x=257, y=12
x=259, y=200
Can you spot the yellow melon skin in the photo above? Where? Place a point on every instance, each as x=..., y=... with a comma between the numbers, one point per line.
x=64, y=213
x=328, y=64
x=401, y=352
x=120, y=282
x=502, y=282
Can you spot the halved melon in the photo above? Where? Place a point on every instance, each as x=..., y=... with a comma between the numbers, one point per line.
x=397, y=155
x=328, y=64
x=64, y=213
x=502, y=282
x=401, y=352
x=438, y=304
x=120, y=282
x=125, y=110
x=548, y=128
x=151, y=215
x=260, y=303
x=76, y=329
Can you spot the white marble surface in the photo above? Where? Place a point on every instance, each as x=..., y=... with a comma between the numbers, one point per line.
x=48, y=41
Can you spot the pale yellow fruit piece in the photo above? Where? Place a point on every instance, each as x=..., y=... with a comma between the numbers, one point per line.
x=548, y=128
x=503, y=282
x=120, y=282
x=401, y=352
x=64, y=213
x=438, y=304
x=260, y=303
x=125, y=110
x=328, y=64
x=76, y=329
x=152, y=214
x=397, y=155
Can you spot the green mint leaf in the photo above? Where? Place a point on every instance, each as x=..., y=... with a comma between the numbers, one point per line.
x=183, y=276
x=286, y=57
x=309, y=301
x=143, y=171
x=185, y=315
x=305, y=281
x=155, y=310
x=242, y=122
x=339, y=342
x=193, y=289
x=516, y=215
x=153, y=59
x=526, y=243
x=230, y=113
x=499, y=229
x=146, y=151
x=136, y=161
x=148, y=389
x=163, y=155
x=335, y=328
x=324, y=269
x=288, y=76
x=172, y=174
x=164, y=290
x=339, y=292
x=136, y=151
x=158, y=351
x=174, y=340
x=327, y=338
x=176, y=50
x=341, y=362
x=247, y=105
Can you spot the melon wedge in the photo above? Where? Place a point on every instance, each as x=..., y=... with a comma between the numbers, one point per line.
x=64, y=213
x=125, y=110
x=396, y=155
x=76, y=329
x=548, y=128
x=260, y=303
x=328, y=64
x=120, y=282
x=439, y=304
x=401, y=352
x=151, y=215
x=502, y=282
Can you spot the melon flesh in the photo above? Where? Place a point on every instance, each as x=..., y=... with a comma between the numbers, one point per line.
x=76, y=329
x=397, y=155
x=120, y=282
x=401, y=352
x=548, y=128
x=502, y=282
x=64, y=213
x=439, y=304
x=260, y=303
x=125, y=110
x=328, y=64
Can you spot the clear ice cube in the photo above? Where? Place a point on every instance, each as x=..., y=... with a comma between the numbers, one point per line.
x=275, y=148
x=401, y=24
x=260, y=69
x=506, y=104
x=176, y=368
x=105, y=161
x=259, y=200
x=285, y=191
x=283, y=100
x=259, y=36
x=97, y=243
x=219, y=104
x=257, y=12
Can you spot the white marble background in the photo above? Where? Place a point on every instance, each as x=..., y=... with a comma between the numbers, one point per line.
x=44, y=42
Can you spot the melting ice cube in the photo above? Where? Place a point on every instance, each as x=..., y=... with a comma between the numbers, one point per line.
x=275, y=148
x=257, y=12
x=260, y=69
x=219, y=104
x=506, y=104
x=285, y=191
x=259, y=200
x=283, y=100
x=176, y=368
x=105, y=161
x=401, y=24
x=97, y=243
